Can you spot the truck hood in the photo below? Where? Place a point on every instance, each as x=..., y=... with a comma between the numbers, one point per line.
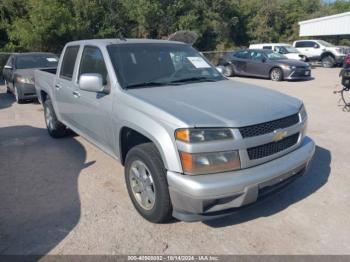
x=218, y=104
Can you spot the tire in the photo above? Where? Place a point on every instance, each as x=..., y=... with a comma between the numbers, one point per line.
x=328, y=62
x=228, y=71
x=145, y=174
x=17, y=96
x=7, y=87
x=276, y=74
x=55, y=128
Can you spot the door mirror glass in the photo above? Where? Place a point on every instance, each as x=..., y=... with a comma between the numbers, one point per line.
x=8, y=67
x=91, y=82
x=220, y=69
x=316, y=46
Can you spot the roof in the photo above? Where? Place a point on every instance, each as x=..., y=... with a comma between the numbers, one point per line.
x=324, y=18
x=122, y=41
x=333, y=25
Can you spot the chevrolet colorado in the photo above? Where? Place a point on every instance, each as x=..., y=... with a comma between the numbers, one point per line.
x=194, y=144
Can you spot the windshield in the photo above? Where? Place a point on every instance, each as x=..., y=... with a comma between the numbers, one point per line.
x=326, y=44
x=155, y=64
x=290, y=49
x=36, y=61
x=275, y=56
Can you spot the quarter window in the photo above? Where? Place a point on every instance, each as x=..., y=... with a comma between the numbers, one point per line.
x=68, y=63
x=92, y=62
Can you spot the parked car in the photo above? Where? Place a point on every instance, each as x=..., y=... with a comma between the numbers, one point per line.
x=194, y=144
x=321, y=51
x=264, y=63
x=19, y=73
x=285, y=49
x=3, y=59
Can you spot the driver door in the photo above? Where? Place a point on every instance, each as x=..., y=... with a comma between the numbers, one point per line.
x=93, y=109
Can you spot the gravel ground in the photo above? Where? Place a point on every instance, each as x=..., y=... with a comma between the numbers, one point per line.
x=67, y=197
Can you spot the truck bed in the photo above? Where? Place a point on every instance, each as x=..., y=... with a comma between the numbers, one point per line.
x=44, y=81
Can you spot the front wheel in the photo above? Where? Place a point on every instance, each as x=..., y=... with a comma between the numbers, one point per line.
x=145, y=177
x=228, y=71
x=328, y=62
x=55, y=128
x=18, y=98
x=276, y=74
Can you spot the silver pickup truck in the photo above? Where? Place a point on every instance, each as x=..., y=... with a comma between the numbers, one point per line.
x=194, y=144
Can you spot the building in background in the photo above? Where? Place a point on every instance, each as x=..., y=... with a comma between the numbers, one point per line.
x=334, y=26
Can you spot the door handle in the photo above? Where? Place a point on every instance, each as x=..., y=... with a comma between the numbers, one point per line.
x=76, y=94
x=58, y=86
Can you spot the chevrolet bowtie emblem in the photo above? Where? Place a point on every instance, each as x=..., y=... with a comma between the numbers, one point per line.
x=279, y=135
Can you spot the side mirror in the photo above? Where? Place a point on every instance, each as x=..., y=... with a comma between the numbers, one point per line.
x=91, y=82
x=8, y=67
x=316, y=46
x=263, y=59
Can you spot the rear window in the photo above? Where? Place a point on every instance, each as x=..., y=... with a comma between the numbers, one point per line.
x=68, y=62
x=268, y=47
x=36, y=61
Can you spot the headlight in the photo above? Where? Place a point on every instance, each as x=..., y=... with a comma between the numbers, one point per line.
x=302, y=113
x=206, y=163
x=195, y=135
x=25, y=80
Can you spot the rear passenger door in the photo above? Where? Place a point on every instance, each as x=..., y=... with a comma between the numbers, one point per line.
x=65, y=85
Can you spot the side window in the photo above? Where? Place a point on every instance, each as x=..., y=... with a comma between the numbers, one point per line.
x=67, y=67
x=92, y=62
x=268, y=47
x=243, y=54
x=300, y=44
x=256, y=56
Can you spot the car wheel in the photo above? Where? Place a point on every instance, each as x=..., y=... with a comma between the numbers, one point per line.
x=228, y=71
x=145, y=177
x=19, y=100
x=276, y=74
x=7, y=87
x=55, y=128
x=328, y=62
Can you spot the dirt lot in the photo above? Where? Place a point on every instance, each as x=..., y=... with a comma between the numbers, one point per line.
x=67, y=197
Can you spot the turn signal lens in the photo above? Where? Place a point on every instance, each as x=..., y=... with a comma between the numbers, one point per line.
x=196, y=135
x=208, y=163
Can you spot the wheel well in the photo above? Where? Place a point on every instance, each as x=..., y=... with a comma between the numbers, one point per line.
x=43, y=95
x=275, y=67
x=327, y=54
x=128, y=139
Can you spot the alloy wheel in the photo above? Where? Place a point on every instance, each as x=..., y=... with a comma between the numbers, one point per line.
x=142, y=185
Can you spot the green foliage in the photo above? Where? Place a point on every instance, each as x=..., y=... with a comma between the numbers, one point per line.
x=30, y=25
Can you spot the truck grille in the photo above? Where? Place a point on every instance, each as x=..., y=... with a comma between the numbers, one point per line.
x=272, y=148
x=269, y=127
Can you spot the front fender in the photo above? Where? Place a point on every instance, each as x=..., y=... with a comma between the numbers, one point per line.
x=159, y=132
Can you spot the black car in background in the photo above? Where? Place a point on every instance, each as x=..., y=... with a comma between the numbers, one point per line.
x=263, y=63
x=19, y=73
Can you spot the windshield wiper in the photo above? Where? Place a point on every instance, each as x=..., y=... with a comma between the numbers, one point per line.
x=146, y=84
x=194, y=79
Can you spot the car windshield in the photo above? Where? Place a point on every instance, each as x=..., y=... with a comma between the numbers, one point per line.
x=36, y=61
x=326, y=44
x=290, y=49
x=275, y=56
x=156, y=64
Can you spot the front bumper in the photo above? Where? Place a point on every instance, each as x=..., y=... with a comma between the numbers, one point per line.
x=297, y=74
x=26, y=91
x=204, y=197
x=340, y=59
